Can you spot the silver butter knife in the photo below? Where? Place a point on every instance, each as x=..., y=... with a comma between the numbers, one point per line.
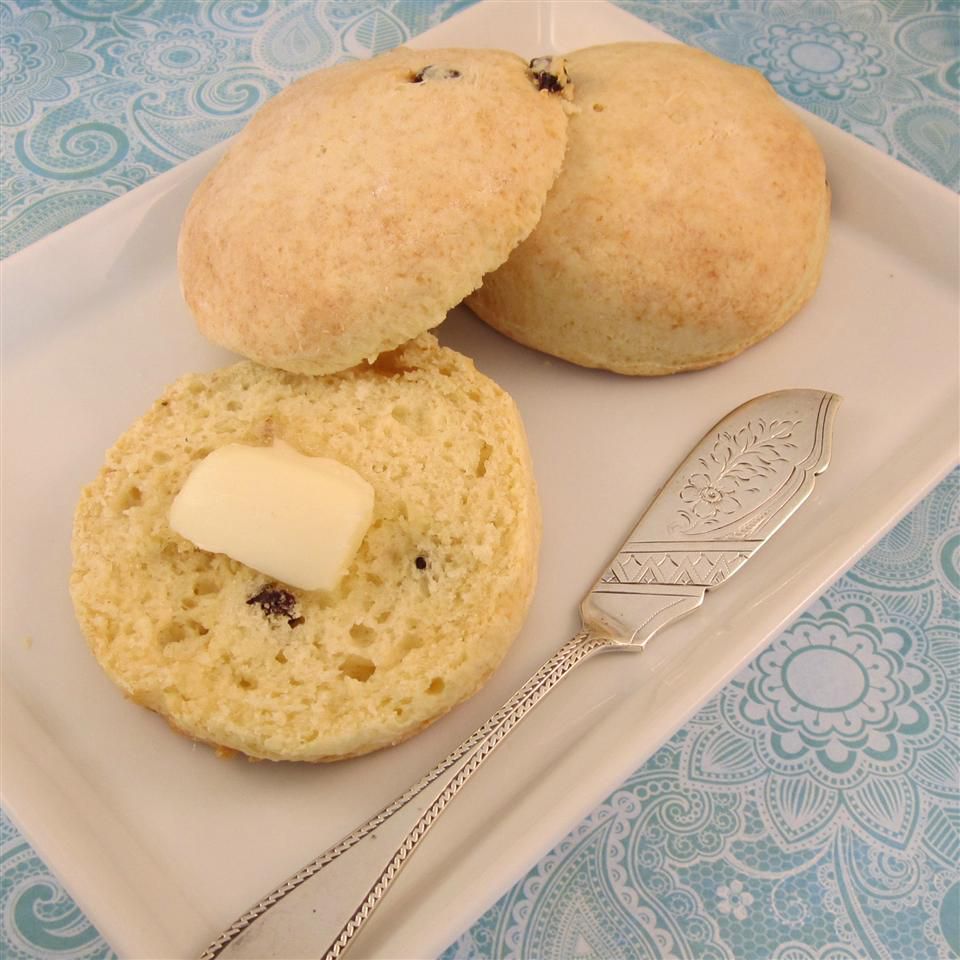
x=740, y=483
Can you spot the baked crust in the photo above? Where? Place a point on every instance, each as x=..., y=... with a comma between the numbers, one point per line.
x=689, y=221
x=360, y=205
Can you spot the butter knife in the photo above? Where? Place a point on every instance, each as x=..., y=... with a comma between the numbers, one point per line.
x=734, y=490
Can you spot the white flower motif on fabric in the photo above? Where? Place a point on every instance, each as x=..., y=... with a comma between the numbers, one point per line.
x=837, y=711
x=832, y=690
x=733, y=899
x=173, y=56
x=824, y=58
x=37, y=63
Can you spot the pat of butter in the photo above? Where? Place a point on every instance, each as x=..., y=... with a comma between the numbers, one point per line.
x=295, y=518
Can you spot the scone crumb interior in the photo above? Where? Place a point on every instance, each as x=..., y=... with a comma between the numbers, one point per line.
x=426, y=611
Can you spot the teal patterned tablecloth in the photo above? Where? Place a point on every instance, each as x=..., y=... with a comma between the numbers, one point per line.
x=764, y=828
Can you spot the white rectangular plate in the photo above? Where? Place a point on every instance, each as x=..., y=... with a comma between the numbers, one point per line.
x=163, y=844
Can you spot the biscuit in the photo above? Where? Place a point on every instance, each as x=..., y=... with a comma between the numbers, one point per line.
x=426, y=611
x=689, y=221
x=365, y=201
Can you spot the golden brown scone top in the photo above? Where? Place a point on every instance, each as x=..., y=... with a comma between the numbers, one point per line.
x=689, y=221
x=365, y=201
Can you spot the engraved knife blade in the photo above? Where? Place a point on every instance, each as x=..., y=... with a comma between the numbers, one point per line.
x=728, y=497
x=738, y=485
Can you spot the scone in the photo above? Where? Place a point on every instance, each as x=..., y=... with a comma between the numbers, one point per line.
x=689, y=221
x=425, y=612
x=366, y=200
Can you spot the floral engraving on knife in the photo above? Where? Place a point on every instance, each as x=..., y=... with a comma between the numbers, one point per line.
x=741, y=466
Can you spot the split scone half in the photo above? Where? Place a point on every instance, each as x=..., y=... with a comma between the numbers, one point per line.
x=423, y=614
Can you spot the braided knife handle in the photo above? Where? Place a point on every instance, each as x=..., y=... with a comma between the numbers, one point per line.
x=325, y=905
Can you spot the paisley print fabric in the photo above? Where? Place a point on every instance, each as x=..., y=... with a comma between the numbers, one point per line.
x=811, y=810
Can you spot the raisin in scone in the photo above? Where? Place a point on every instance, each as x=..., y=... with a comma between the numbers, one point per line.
x=366, y=200
x=689, y=221
x=425, y=612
